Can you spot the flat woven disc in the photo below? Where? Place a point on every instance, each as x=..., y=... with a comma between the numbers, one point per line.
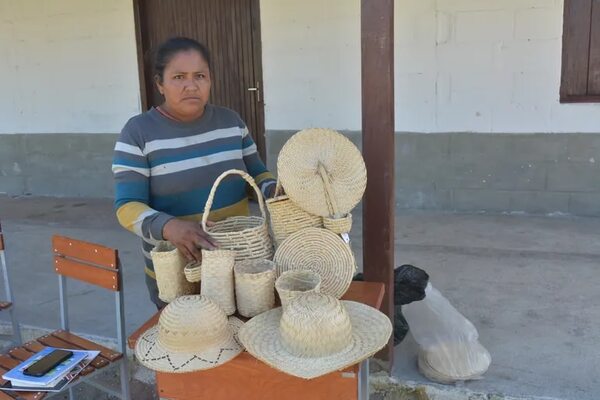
x=312, y=155
x=321, y=251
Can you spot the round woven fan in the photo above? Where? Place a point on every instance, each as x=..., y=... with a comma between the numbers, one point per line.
x=322, y=172
x=321, y=251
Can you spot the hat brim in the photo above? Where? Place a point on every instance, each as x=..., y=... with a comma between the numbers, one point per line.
x=150, y=353
x=371, y=330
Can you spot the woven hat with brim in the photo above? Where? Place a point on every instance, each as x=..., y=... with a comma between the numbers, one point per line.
x=316, y=334
x=322, y=172
x=192, y=334
x=452, y=362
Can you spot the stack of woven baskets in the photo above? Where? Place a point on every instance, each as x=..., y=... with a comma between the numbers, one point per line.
x=322, y=177
x=242, y=267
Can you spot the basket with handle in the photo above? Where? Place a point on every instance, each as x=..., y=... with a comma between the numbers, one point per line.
x=217, y=278
x=286, y=217
x=248, y=236
x=254, y=286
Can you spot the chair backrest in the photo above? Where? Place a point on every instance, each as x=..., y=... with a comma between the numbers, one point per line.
x=91, y=263
x=88, y=262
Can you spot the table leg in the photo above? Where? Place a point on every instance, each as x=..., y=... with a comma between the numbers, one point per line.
x=363, y=380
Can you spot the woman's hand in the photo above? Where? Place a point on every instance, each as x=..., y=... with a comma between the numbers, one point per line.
x=189, y=238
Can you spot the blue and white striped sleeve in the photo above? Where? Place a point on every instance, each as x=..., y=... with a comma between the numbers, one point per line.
x=132, y=195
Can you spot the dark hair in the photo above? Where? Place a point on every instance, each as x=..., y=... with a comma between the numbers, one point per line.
x=169, y=48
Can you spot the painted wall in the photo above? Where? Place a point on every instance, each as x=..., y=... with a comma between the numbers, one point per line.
x=461, y=65
x=67, y=66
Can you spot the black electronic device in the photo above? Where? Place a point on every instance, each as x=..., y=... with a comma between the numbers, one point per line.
x=47, y=363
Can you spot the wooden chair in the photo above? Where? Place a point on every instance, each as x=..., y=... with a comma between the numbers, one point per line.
x=96, y=265
x=7, y=304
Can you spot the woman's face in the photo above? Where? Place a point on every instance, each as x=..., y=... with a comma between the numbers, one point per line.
x=186, y=85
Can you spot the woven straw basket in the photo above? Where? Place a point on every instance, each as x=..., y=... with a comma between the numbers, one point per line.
x=247, y=236
x=193, y=271
x=217, y=278
x=321, y=251
x=338, y=225
x=170, y=278
x=254, y=286
x=293, y=283
x=286, y=217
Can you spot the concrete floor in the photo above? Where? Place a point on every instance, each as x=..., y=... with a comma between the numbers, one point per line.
x=529, y=284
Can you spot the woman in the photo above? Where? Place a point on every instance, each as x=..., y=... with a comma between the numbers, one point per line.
x=167, y=159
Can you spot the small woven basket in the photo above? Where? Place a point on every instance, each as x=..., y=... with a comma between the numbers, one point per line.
x=217, y=278
x=168, y=267
x=292, y=283
x=338, y=225
x=248, y=236
x=193, y=271
x=254, y=286
x=286, y=217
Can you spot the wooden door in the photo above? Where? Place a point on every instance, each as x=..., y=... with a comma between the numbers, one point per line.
x=231, y=31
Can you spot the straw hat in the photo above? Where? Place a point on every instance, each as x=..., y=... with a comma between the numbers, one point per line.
x=451, y=362
x=321, y=251
x=316, y=334
x=192, y=334
x=322, y=172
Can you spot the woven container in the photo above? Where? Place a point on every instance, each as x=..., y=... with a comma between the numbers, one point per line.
x=168, y=267
x=247, y=236
x=286, y=217
x=338, y=225
x=254, y=286
x=293, y=283
x=217, y=278
x=193, y=271
x=321, y=251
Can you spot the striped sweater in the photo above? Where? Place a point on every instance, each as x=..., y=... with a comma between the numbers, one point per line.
x=165, y=169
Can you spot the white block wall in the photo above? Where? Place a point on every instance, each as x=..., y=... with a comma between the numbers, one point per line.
x=67, y=66
x=461, y=65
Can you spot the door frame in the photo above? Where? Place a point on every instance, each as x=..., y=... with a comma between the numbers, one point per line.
x=256, y=63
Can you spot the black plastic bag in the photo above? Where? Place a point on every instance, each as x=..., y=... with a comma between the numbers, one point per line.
x=409, y=285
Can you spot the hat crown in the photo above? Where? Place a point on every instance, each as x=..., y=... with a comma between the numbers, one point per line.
x=315, y=325
x=192, y=323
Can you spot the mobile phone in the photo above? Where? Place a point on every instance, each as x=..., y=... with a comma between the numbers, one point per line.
x=46, y=363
